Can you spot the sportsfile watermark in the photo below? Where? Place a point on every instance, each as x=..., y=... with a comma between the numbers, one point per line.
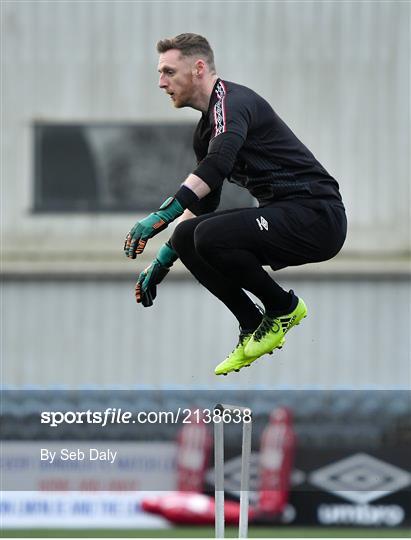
x=350, y=446
x=112, y=415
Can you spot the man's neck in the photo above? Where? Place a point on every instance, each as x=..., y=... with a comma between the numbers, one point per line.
x=202, y=100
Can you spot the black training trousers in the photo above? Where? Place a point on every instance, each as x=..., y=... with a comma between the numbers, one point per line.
x=226, y=251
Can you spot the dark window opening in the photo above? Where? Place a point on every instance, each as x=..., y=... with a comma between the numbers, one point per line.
x=115, y=168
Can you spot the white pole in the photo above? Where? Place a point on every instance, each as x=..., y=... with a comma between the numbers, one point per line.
x=219, y=477
x=245, y=480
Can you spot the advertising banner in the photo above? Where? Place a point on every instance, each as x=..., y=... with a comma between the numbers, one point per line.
x=336, y=488
x=70, y=509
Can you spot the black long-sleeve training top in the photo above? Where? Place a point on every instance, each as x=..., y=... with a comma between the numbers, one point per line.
x=241, y=138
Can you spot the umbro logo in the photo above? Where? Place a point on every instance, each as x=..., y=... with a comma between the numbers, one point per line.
x=361, y=478
x=262, y=223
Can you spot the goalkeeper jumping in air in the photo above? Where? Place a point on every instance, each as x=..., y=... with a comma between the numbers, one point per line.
x=300, y=216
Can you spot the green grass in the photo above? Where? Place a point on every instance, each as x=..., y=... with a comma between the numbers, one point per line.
x=208, y=532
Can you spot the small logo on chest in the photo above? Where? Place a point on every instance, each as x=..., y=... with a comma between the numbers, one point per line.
x=262, y=223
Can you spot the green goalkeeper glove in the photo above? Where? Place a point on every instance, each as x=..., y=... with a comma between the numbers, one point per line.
x=146, y=286
x=148, y=227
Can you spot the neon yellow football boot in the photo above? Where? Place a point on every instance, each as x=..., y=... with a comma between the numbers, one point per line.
x=271, y=332
x=237, y=358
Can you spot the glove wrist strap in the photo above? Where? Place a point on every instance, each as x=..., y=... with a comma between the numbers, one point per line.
x=170, y=210
x=173, y=207
x=166, y=255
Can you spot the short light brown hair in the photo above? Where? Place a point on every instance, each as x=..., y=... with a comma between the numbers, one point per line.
x=189, y=45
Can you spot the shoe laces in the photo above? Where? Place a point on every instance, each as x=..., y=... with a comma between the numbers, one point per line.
x=267, y=324
x=242, y=337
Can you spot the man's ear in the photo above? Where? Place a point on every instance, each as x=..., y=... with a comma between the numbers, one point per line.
x=199, y=67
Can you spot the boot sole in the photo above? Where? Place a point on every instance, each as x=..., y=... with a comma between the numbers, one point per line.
x=247, y=365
